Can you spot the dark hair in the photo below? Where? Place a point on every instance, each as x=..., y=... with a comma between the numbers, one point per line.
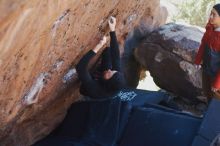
x=116, y=82
x=217, y=8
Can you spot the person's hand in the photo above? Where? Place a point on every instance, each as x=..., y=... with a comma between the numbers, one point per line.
x=112, y=23
x=101, y=43
x=214, y=89
x=198, y=67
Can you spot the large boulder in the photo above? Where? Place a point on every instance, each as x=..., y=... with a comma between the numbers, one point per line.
x=40, y=43
x=168, y=53
x=132, y=69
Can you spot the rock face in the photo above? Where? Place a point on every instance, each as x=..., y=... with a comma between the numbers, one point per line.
x=168, y=54
x=40, y=43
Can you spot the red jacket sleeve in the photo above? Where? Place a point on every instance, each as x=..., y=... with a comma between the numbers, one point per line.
x=216, y=81
x=200, y=53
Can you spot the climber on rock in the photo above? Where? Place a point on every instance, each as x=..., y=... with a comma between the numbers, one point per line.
x=112, y=80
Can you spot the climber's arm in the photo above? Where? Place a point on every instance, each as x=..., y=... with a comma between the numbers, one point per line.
x=115, y=53
x=82, y=66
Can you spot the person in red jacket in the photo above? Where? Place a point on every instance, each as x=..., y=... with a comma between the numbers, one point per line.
x=209, y=55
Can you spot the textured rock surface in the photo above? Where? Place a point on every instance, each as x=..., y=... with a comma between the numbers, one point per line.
x=168, y=54
x=152, y=19
x=40, y=42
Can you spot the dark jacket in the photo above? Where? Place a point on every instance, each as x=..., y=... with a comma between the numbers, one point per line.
x=99, y=89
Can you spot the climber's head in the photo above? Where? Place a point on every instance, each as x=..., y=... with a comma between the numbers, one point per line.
x=215, y=16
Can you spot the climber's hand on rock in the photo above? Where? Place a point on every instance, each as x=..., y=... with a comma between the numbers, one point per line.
x=112, y=23
x=101, y=43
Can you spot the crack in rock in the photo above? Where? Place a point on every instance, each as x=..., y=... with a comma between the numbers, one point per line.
x=58, y=21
